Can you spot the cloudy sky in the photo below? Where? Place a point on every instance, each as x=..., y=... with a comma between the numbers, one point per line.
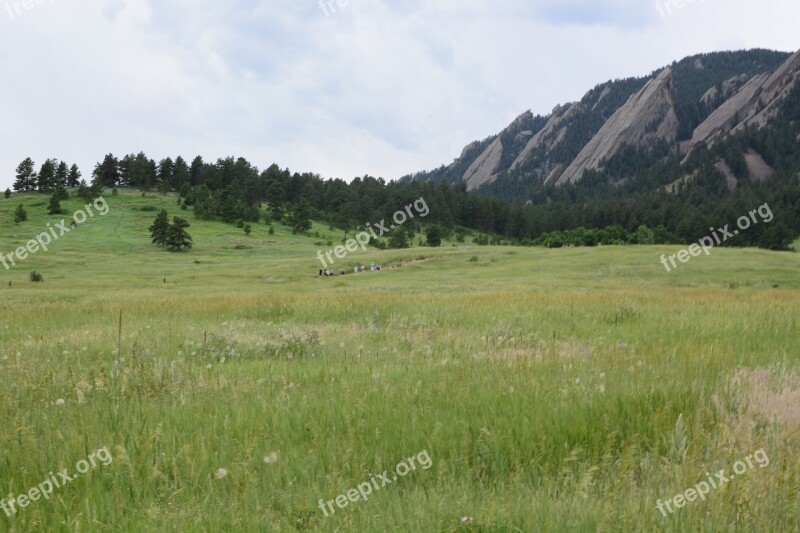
x=348, y=88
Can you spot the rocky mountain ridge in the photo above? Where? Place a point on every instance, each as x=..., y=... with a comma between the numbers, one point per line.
x=689, y=106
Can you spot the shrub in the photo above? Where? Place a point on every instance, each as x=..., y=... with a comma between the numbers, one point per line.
x=20, y=215
x=36, y=277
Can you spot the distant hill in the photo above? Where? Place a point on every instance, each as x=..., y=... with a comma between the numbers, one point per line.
x=726, y=113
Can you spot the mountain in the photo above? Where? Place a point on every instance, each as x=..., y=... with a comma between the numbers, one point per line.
x=659, y=132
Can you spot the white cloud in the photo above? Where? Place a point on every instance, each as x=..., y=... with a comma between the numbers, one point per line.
x=378, y=87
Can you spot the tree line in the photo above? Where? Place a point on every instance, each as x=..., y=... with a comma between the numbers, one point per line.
x=237, y=192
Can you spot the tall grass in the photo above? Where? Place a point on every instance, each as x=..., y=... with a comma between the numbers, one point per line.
x=547, y=386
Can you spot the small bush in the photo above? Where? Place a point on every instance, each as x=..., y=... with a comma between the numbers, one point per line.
x=147, y=208
x=36, y=277
x=474, y=259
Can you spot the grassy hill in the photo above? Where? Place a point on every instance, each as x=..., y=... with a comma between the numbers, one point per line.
x=564, y=390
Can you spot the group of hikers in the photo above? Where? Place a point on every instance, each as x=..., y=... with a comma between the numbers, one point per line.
x=328, y=272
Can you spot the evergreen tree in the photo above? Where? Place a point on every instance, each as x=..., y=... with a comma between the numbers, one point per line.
x=180, y=174
x=276, y=212
x=60, y=192
x=62, y=175
x=20, y=215
x=177, y=237
x=55, y=205
x=434, y=236
x=301, y=218
x=159, y=229
x=106, y=174
x=26, y=176
x=74, y=176
x=196, y=172
x=47, y=175
x=399, y=239
x=166, y=169
x=7, y=194
x=83, y=191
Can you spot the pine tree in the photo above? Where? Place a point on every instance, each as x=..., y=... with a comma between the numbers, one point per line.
x=159, y=229
x=60, y=192
x=399, y=239
x=20, y=215
x=83, y=191
x=177, y=237
x=62, y=175
x=180, y=173
x=26, y=176
x=55, y=205
x=434, y=236
x=74, y=177
x=301, y=218
x=47, y=175
x=106, y=174
x=7, y=194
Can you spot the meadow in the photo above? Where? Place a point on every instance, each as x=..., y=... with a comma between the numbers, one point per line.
x=553, y=390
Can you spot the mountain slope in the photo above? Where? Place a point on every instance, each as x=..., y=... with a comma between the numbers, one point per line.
x=690, y=105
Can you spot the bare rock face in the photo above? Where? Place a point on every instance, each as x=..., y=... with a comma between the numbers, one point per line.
x=729, y=87
x=758, y=169
x=484, y=168
x=646, y=117
x=554, y=175
x=753, y=105
x=549, y=136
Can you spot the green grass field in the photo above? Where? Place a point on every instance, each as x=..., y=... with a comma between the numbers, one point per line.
x=553, y=390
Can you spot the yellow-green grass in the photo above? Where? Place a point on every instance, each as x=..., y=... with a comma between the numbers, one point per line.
x=546, y=385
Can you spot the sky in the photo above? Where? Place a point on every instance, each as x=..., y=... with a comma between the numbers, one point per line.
x=342, y=88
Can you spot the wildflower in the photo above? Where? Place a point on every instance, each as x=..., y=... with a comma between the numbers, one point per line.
x=60, y=401
x=221, y=473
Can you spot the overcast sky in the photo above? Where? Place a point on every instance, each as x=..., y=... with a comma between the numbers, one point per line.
x=371, y=87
